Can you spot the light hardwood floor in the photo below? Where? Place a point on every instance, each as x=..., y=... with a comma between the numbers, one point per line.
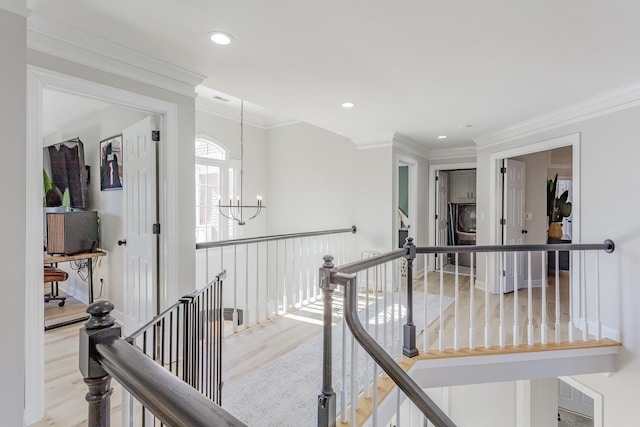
x=257, y=346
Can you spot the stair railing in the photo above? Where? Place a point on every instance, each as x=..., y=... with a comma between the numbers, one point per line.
x=172, y=366
x=269, y=276
x=583, y=303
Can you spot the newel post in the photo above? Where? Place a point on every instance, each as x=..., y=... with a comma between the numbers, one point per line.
x=409, y=343
x=99, y=328
x=327, y=397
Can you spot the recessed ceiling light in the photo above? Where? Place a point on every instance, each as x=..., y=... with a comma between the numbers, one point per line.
x=442, y=136
x=348, y=104
x=465, y=126
x=220, y=38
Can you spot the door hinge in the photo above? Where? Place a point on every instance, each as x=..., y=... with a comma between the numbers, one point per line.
x=437, y=178
x=503, y=170
x=156, y=228
x=436, y=216
x=503, y=221
x=155, y=135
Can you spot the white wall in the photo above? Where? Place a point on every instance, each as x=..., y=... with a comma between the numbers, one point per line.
x=13, y=212
x=609, y=209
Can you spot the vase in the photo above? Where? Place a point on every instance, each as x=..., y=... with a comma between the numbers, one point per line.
x=555, y=230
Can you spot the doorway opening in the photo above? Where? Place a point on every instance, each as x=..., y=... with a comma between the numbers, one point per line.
x=452, y=216
x=41, y=80
x=541, y=159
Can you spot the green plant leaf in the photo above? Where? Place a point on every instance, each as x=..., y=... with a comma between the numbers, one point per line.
x=66, y=198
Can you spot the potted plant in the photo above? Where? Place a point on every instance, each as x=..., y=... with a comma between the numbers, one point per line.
x=557, y=208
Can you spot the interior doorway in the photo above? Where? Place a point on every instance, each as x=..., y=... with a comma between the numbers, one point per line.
x=522, y=216
x=452, y=213
x=39, y=80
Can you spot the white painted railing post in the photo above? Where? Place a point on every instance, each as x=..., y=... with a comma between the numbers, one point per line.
x=516, y=307
x=487, y=327
x=570, y=327
x=456, y=309
x=502, y=281
x=584, y=319
x=472, y=303
x=529, y=301
x=425, y=286
x=441, y=307
x=543, y=320
x=597, y=298
x=557, y=301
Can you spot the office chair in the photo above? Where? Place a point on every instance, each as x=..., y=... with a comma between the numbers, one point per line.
x=54, y=275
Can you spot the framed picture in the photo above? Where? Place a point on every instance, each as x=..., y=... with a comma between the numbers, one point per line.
x=111, y=163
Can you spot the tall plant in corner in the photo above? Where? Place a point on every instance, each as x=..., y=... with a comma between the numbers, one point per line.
x=557, y=208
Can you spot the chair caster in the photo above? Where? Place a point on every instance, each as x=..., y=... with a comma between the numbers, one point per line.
x=61, y=304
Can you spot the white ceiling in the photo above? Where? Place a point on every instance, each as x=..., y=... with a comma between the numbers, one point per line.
x=419, y=68
x=61, y=111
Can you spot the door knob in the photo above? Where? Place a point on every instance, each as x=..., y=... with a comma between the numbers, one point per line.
x=524, y=231
x=122, y=242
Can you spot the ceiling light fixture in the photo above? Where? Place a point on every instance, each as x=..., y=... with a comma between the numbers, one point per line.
x=220, y=38
x=235, y=212
x=442, y=136
x=465, y=126
x=348, y=104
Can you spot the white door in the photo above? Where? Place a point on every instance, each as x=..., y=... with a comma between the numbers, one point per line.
x=513, y=228
x=140, y=217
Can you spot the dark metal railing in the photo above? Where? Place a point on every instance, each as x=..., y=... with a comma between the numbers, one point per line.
x=346, y=275
x=172, y=366
x=235, y=242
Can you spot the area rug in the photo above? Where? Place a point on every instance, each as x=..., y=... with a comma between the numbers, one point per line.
x=284, y=392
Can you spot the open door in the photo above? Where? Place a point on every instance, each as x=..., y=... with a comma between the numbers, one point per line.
x=513, y=229
x=140, y=223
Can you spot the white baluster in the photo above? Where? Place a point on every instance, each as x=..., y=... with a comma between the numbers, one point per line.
x=501, y=281
x=529, y=302
x=394, y=277
x=257, y=314
x=367, y=325
x=570, y=324
x=557, y=278
x=456, y=337
x=245, y=318
x=425, y=285
x=516, y=308
x=375, y=395
x=398, y=424
x=472, y=332
x=385, y=289
x=343, y=395
x=266, y=274
x=543, y=320
x=354, y=381
x=441, y=307
x=234, y=316
x=487, y=327
x=277, y=303
x=583, y=298
x=598, y=322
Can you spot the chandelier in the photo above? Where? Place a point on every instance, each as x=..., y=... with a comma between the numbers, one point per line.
x=239, y=212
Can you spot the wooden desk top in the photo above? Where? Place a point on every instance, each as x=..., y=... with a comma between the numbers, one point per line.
x=50, y=259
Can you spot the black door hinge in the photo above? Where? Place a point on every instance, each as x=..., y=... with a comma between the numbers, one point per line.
x=503, y=170
x=156, y=228
x=503, y=221
x=155, y=135
x=436, y=216
x=437, y=178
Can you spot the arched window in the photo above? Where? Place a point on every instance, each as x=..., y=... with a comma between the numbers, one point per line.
x=215, y=180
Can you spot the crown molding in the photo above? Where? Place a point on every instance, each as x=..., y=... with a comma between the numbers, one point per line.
x=453, y=153
x=228, y=113
x=410, y=146
x=19, y=7
x=374, y=141
x=605, y=103
x=46, y=36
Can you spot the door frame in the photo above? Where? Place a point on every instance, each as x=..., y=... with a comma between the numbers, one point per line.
x=598, y=407
x=495, y=196
x=433, y=169
x=39, y=79
x=412, y=194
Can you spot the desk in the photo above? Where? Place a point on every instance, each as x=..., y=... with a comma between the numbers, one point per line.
x=55, y=259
